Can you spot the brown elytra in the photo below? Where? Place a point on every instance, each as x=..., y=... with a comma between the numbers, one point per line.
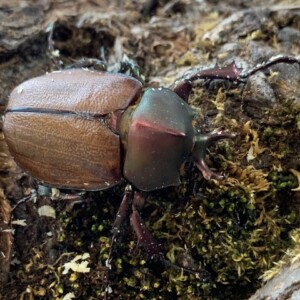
x=56, y=127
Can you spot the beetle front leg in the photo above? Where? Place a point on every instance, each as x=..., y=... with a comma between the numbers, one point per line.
x=231, y=72
x=183, y=87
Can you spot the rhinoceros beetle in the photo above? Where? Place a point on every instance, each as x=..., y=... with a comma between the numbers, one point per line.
x=89, y=130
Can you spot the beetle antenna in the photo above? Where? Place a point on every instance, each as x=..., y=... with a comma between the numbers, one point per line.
x=199, y=151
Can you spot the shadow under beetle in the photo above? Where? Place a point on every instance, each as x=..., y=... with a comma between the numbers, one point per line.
x=89, y=130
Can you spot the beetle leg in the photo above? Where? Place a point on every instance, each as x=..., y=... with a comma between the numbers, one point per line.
x=183, y=87
x=143, y=235
x=201, y=144
x=272, y=61
x=121, y=215
x=122, y=212
x=231, y=72
x=151, y=246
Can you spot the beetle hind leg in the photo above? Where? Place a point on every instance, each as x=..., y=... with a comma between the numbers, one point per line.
x=201, y=144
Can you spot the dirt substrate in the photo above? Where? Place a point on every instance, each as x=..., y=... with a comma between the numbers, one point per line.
x=233, y=234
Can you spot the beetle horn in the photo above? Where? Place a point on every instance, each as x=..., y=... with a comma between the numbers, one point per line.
x=201, y=144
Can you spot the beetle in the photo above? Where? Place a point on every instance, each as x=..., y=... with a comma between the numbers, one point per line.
x=91, y=130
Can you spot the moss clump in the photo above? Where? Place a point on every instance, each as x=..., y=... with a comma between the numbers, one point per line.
x=231, y=232
x=282, y=181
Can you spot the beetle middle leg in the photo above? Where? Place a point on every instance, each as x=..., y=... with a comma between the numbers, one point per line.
x=119, y=220
x=143, y=235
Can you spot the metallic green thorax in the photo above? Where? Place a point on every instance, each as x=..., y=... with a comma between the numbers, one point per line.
x=159, y=137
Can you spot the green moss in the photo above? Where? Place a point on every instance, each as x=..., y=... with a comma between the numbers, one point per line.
x=283, y=181
x=226, y=233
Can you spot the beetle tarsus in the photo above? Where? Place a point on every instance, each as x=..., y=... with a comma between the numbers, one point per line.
x=272, y=61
